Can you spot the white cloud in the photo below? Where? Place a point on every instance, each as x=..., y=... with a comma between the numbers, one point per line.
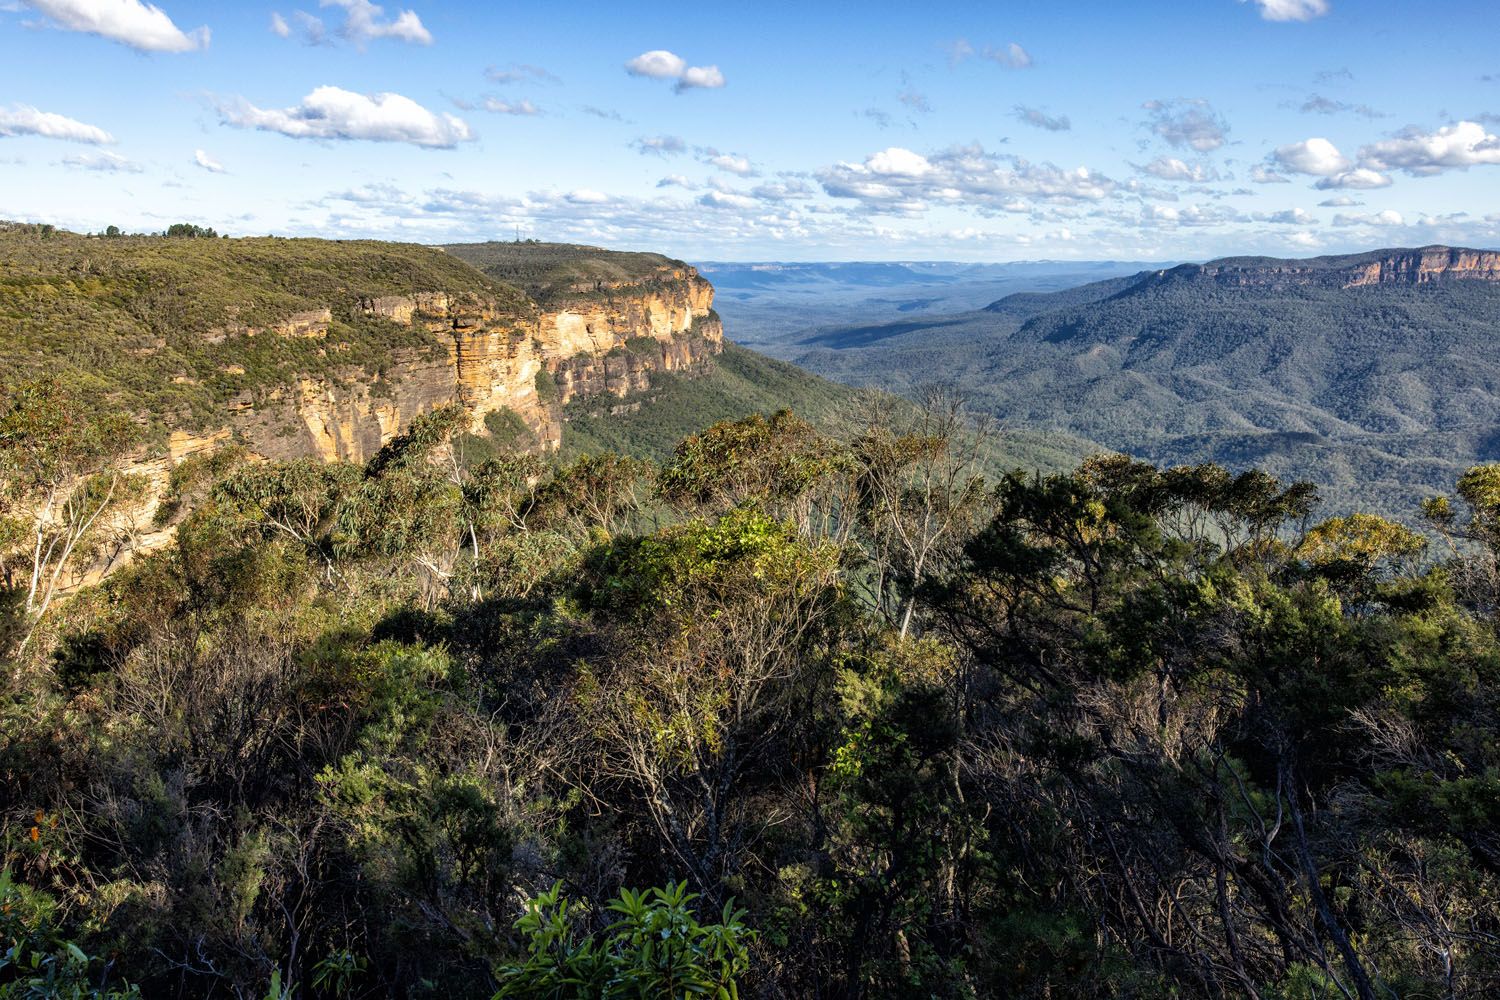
x=22, y=119
x=738, y=165
x=364, y=22
x=701, y=77
x=1385, y=218
x=1189, y=215
x=1452, y=147
x=102, y=162
x=1340, y=201
x=659, y=64
x=724, y=199
x=141, y=26
x=901, y=181
x=586, y=196
x=1291, y=10
x=335, y=113
x=1360, y=179
x=279, y=27
x=1288, y=217
x=207, y=162
x=1315, y=156
x=1169, y=168
x=500, y=107
x=1187, y=123
x=676, y=180
x=898, y=162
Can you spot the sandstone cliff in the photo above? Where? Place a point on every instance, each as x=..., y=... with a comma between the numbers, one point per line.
x=532, y=362
x=1384, y=267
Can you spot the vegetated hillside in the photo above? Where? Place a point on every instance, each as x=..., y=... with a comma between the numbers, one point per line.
x=163, y=327
x=547, y=270
x=741, y=382
x=1374, y=375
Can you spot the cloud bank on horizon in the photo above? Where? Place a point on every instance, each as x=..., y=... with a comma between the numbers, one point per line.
x=1153, y=132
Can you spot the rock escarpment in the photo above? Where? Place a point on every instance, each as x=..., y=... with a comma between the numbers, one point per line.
x=1426, y=265
x=489, y=357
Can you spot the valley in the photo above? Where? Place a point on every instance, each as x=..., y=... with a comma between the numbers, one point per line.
x=1372, y=375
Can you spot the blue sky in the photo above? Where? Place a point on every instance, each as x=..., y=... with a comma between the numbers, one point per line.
x=996, y=131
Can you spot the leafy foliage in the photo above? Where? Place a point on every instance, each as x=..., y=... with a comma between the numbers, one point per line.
x=873, y=723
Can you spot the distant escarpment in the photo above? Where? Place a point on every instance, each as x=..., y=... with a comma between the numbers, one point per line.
x=1381, y=267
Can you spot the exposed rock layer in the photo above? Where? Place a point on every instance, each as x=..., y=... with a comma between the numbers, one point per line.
x=598, y=342
x=1393, y=267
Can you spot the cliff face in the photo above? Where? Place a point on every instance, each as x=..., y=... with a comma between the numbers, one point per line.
x=599, y=340
x=1387, y=267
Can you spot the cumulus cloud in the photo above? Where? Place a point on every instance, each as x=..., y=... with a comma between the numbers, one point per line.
x=1288, y=217
x=676, y=180
x=102, y=162
x=1291, y=10
x=903, y=181
x=737, y=165
x=659, y=145
x=659, y=64
x=1339, y=201
x=1169, y=168
x=335, y=113
x=363, y=23
x=1315, y=156
x=1189, y=215
x=142, y=26
x=700, y=77
x=898, y=162
x=1452, y=147
x=22, y=119
x=1360, y=179
x=207, y=162
x=727, y=199
x=1385, y=218
x=1040, y=119
x=1187, y=124
x=500, y=107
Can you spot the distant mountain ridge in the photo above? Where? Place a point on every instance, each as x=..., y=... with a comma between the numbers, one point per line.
x=1374, y=374
x=1379, y=267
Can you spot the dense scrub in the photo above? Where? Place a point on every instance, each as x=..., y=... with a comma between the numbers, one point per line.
x=428, y=728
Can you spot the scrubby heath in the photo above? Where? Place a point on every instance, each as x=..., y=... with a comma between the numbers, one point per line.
x=552, y=271
x=790, y=714
x=163, y=327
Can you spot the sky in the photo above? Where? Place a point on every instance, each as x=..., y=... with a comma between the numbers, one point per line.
x=995, y=131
